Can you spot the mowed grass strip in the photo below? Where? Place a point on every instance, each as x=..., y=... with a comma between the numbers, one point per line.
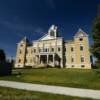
x=15, y=94
x=80, y=78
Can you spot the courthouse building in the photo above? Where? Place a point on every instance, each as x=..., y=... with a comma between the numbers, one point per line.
x=53, y=50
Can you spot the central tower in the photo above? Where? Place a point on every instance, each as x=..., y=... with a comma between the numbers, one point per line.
x=53, y=31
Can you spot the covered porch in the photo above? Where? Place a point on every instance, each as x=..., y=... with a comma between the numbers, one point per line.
x=49, y=59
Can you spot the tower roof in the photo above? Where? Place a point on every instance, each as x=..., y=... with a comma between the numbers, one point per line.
x=25, y=39
x=81, y=33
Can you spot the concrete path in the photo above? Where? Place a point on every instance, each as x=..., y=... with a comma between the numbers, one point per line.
x=87, y=93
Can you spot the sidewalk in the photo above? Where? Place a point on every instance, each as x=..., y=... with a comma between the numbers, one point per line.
x=87, y=93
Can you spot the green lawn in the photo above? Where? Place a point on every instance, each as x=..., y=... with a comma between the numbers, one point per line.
x=62, y=77
x=15, y=94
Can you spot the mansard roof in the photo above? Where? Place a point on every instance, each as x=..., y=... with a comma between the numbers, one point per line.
x=80, y=33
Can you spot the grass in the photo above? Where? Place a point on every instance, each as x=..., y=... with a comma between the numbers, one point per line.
x=15, y=94
x=80, y=78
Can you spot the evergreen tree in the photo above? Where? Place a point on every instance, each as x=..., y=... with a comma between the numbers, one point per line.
x=2, y=56
x=96, y=39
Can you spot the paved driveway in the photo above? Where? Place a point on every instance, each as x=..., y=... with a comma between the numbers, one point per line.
x=87, y=93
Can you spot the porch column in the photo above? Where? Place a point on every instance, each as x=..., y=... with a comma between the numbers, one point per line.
x=36, y=59
x=47, y=58
x=53, y=60
x=61, y=63
x=39, y=59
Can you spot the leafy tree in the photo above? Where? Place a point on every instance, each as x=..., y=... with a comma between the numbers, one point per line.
x=96, y=38
x=2, y=55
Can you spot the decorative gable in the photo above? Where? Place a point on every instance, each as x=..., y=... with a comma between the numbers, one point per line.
x=52, y=33
x=47, y=37
x=81, y=33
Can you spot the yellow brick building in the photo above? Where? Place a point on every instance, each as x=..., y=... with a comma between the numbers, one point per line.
x=52, y=50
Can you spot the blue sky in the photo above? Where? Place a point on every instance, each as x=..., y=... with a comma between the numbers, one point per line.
x=32, y=18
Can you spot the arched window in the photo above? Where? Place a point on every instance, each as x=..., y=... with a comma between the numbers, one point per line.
x=81, y=39
x=52, y=33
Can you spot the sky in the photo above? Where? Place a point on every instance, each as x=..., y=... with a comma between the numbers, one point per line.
x=32, y=18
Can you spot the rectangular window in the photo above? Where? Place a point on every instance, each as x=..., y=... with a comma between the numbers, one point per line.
x=34, y=50
x=82, y=59
x=81, y=48
x=20, y=51
x=25, y=60
x=72, y=49
x=72, y=66
x=52, y=49
x=59, y=49
x=82, y=66
x=46, y=50
x=72, y=59
x=19, y=60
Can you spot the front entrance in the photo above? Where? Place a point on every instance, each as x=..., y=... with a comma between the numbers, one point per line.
x=48, y=59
